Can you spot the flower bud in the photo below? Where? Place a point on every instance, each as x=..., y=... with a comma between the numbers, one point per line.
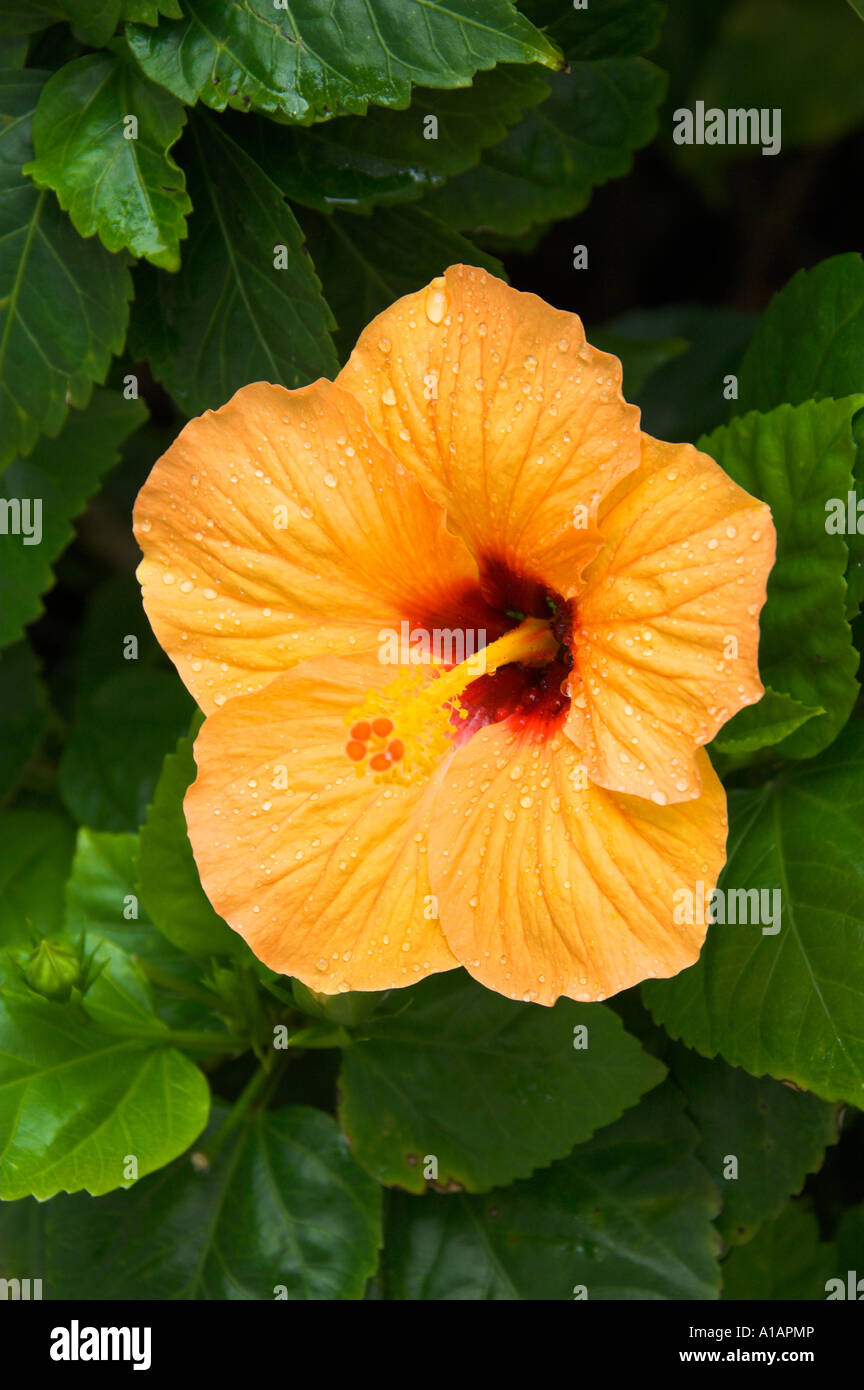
x=53, y=970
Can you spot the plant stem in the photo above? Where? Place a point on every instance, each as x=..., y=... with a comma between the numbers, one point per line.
x=256, y=1089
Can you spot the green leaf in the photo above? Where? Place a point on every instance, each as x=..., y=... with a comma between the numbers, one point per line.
x=63, y=300
x=112, y=179
x=45, y=493
x=112, y=616
x=785, y=1260
x=810, y=344
x=116, y=745
x=169, y=884
x=491, y=1088
x=25, y=718
x=35, y=855
x=389, y=156
x=761, y=725
x=601, y=28
x=283, y=1207
x=789, y=1004
x=102, y=899
x=100, y=893
x=79, y=1098
x=796, y=458
x=93, y=21
x=546, y=169
x=368, y=262
x=148, y=11
x=627, y=1216
x=234, y=313
x=311, y=65
x=776, y=1135
x=117, y=993
x=810, y=340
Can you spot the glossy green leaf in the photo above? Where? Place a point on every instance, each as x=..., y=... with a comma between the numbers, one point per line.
x=25, y=713
x=247, y=305
x=46, y=492
x=79, y=1098
x=785, y=1260
x=546, y=169
x=775, y=1135
x=796, y=459
x=116, y=745
x=63, y=300
x=389, y=156
x=35, y=855
x=169, y=884
x=368, y=262
x=627, y=1216
x=283, y=1213
x=490, y=1088
x=810, y=340
x=113, y=178
x=761, y=725
x=789, y=1003
x=311, y=64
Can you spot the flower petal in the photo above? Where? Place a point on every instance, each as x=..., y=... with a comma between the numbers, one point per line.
x=548, y=889
x=322, y=871
x=277, y=528
x=667, y=638
x=508, y=418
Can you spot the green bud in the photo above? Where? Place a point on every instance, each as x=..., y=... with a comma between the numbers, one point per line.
x=53, y=970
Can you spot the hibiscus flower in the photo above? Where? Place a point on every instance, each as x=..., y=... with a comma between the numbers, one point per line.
x=531, y=811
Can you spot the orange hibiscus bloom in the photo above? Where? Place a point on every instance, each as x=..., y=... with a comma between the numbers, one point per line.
x=475, y=478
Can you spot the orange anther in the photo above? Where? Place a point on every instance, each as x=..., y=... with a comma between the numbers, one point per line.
x=380, y=762
x=355, y=749
x=395, y=748
x=361, y=731
x=382, y=727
